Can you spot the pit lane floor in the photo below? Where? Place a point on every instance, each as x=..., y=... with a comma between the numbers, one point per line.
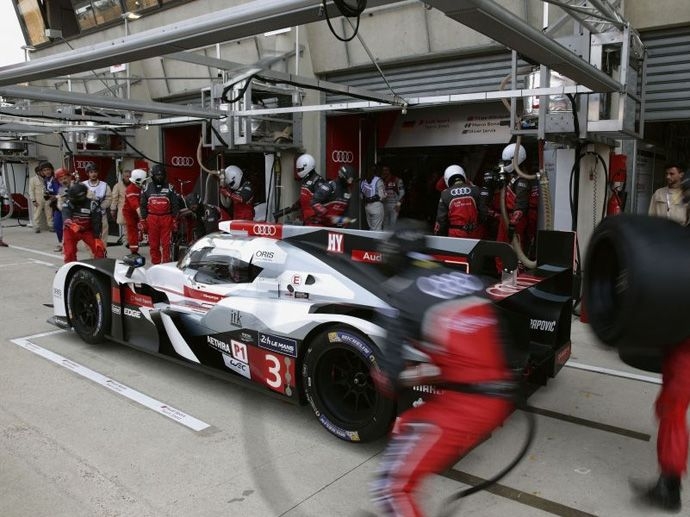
x=73, y=446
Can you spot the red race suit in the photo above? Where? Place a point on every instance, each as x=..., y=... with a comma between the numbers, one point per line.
x=159, y=207
x=458, y=213
x=242, y=201
x=82, y=222
x=440, y=312
x=130, y=211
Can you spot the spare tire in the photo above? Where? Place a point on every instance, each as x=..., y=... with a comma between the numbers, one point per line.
x=636, y=286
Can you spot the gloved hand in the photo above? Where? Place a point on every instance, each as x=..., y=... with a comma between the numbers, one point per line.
x=143, y=226
x=72, y=226
x=99, y=249
x=516, y=216
x=341, y=220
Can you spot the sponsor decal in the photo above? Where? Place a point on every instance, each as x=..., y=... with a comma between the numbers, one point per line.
x=543, y=325
x=116, y=309
x=301, y=296
x=245, y=336
x=57, y=293
x=339, y=156
x=264, y=255
x=278, y=344
x=369, y=257
x=218, y=344
x=264, y=230
x=132, y=313
x=455, y=260
x=140, y=300
x=237, y=366
x=345, y=337
x=239, y=351
x=353, y=436
x=426, y=388
x=460, y=191
x=202, y=295
x=296, y=280
x=335, y=242
x=236, y=319
x=449, y=285
x=182, y=161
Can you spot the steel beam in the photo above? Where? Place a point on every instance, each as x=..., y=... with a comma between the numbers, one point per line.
x=499, y=24
x=100, y=101
x=228, y=24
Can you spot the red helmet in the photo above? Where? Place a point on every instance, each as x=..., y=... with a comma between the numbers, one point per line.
x=61, y=173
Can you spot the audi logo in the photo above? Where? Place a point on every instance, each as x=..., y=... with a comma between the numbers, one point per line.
x=265, y=230
x=461, y=191
x=343, y=156
x=182, y=161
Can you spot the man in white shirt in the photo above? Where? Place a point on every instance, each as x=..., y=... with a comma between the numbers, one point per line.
x=668, y=201
x=101, y=192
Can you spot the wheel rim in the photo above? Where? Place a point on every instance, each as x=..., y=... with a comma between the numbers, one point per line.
x=345, y=387
x=85, y=307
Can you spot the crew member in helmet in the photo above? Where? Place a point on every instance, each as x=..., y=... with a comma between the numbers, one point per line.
x=341, y=188
x=82, y=220
x=159, y=207
x=131, y=208
x=467, y=361
x=458, y=213
x=314, y=193
x=240, y=192
x=517, y=194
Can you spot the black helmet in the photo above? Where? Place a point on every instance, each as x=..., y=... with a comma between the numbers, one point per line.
x=408, y=238
x=44, y=164
x=77, y=193
x=346, y=173
x=158, y=174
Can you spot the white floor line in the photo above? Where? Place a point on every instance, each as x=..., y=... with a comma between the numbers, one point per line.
x=615, y=373
x=44, y=253
x=132, y=394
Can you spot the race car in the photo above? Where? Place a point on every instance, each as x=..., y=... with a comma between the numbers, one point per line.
x=290, y=310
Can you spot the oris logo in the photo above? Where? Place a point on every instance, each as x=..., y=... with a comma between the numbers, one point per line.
x=342, y=156
x=182, y=161
x=268, y=255
x=265, y=230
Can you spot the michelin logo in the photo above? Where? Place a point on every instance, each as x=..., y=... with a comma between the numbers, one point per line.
x=278, y=344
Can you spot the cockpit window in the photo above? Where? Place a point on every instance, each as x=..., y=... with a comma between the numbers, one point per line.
x=214, y=267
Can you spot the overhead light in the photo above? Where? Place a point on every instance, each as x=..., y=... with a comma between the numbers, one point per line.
x=278, y=31
x=129, y=15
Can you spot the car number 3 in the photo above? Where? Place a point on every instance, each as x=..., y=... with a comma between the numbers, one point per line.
x=273, y=375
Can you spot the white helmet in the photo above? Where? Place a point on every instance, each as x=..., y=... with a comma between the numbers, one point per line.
x=453, y=171
x=509, y=153
x=233, y=177
x=139, y=177
x=305, y=164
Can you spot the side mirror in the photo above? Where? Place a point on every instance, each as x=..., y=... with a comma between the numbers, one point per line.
x=133, y=260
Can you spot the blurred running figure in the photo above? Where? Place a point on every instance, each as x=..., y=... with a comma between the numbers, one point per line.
x=394, y=189
x=439, y=312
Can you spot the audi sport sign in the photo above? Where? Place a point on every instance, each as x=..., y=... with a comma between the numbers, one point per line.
x=342, y=144
x=182, y=161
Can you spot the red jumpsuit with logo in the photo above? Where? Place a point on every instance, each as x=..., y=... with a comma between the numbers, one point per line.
x=671, y=410
x=82, y=222
x=337, y=207
x=159, y=206
x=441, y=312
x=458, y=213
x=242, y=201
x=313, y=195
x=131, y=215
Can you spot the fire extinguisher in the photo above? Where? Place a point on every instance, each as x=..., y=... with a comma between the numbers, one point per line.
x=617, y=179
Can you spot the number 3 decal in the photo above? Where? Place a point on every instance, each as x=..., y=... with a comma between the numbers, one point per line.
x=273, y=379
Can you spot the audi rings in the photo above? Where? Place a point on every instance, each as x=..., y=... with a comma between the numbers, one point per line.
x=264, y=230
x=343, y=156
x=182, y=161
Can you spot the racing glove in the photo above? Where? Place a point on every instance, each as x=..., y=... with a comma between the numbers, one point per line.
x=516, y=217
x=72, y=226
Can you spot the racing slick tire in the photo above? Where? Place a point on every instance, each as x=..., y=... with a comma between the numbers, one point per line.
x=340, y=389
x=88, y=305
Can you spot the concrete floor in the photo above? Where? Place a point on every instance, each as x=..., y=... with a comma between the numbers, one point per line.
x=71, y=447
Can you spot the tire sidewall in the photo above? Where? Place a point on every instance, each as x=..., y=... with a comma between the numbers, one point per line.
x=100, y=291
x=385, y=409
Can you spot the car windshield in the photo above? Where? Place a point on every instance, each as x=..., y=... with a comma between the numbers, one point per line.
x=214, y=267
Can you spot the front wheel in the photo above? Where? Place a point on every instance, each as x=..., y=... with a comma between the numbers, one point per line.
x=88, y=305
x=339, y=388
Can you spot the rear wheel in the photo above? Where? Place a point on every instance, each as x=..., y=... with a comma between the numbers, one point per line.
x=337, y=382
x=88, y=305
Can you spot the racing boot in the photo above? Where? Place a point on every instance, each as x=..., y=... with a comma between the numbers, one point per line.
x=664, y=495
